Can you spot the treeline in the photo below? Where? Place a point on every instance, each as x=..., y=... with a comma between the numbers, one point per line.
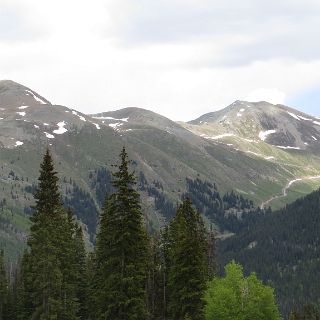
x=130, y=275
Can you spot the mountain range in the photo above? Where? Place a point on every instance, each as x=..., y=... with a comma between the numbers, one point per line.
x=268, y=154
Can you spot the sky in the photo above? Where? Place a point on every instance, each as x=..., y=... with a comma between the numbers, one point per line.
x=178, y=58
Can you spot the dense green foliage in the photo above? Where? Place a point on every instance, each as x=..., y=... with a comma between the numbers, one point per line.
x=121, y=252
x=238, y=297
x=53, y=266
x=188, y=264
x=3, y=287
x=283, y=248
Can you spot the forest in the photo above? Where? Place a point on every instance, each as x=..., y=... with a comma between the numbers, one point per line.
x=131, y=273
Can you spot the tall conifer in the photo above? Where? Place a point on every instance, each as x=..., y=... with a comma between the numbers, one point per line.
x=188, y=272
x=3, y=286
x=48, y=285
x=121, y=253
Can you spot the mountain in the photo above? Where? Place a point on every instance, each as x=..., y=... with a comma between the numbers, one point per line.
x=277, y=125
x=283, y=248
x=221, y=149
x=275, y=133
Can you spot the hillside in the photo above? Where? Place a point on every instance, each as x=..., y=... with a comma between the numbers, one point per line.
x=164, y=154
x=274, y=133
x=283, y=249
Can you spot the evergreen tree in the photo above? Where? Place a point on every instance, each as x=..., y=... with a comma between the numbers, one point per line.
x=45, y=249
x=94, y=287
x=48, y=285
x=24, y=302
x=188, y=271
x=122, y=251
x=156, y=280
x=3, y=287
x=81, y=279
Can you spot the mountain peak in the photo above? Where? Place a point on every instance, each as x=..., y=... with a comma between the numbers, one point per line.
x=13, y=95
x=279, y=125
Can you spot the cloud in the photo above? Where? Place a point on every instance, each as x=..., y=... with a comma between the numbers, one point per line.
x=246, y=31
x=17, y=24
x=271, y=95
x=178, y=58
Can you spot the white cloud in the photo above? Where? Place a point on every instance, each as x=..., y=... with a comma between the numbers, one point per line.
x=178, y=58
x=271, y=95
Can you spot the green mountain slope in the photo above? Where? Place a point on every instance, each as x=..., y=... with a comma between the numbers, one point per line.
x=164, y=152
x=284, y=249
x=282, y=136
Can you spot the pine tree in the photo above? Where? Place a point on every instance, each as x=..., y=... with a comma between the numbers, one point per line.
x=81, y=279
x=121, y=253
x=156, y=280
x=188, y=271
x=3, y=286
x=94, y=286
x=24, y=301
x=46, y=274
x=48, y=284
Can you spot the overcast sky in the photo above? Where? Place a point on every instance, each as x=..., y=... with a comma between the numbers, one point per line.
x=180, y=58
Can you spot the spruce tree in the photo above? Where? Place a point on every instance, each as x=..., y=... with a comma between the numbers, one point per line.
x=156, y=280
x=188, y=272
x=121, y=252
x=3, y=287
x=81, y=279
x=43, y=241
x=48, y=285
x=24, y=301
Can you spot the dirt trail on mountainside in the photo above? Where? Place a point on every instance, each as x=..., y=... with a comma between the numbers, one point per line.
x=285, y=190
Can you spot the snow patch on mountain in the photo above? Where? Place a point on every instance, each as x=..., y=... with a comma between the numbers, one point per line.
x=264, y=134
x=35, y=97
x=293, y=115
x=23, y=107
x=115, y=125
x=289, y=147
x=78, y=115
x=19, y=143
x=96, y=125
x=21, y=113
x=221, y=136
x=61, y=129
x=304, y=118
x=111, y=118
x=48, y=135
